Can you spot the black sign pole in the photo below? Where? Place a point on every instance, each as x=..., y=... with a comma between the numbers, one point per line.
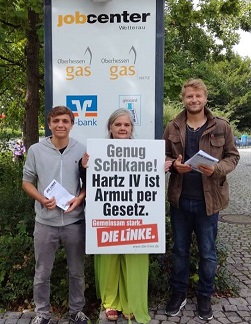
x=159, y=69
x=47, y=61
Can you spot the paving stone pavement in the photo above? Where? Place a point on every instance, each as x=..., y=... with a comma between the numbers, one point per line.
x=235, y=232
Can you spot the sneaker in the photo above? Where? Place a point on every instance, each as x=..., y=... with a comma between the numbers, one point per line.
x=175, y=304
x=78, y=318
x=204, y=308
x=40, y=320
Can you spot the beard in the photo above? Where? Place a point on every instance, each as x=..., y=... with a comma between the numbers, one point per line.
x=195, y=111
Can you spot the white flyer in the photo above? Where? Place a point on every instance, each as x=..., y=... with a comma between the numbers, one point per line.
x=201, y=157
x=61, y=195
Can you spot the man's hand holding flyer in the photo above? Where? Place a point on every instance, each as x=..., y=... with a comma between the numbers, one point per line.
x=201, y=157
x=62, y=196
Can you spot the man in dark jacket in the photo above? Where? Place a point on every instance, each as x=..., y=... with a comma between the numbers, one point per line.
x=197, y=196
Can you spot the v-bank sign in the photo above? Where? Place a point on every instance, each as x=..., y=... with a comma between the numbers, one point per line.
x=101, y=56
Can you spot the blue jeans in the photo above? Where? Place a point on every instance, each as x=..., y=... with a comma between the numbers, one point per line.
x=47, y=240
x=188, y=218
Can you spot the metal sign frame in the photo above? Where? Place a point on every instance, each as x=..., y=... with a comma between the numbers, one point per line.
x=159, y=64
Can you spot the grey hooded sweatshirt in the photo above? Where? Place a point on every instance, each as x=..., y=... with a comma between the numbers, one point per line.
x=43, y=164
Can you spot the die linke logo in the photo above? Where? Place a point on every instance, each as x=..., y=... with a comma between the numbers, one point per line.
x=83, y=106
x=113, y=18
x=120, y=235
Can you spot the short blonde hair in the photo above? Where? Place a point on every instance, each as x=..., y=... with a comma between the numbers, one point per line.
x=194, y=83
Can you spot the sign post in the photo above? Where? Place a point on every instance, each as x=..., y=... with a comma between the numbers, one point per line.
x=105, y=55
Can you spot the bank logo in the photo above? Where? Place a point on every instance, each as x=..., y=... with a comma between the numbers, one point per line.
x=83, y=106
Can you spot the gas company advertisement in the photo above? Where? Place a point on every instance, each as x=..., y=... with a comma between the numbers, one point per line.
x=103, y=58
x=125, y=196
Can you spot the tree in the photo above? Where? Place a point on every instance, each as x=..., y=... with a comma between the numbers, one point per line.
x=235, y=76
x=20, y=44
x=205, y=33
x=32, y=102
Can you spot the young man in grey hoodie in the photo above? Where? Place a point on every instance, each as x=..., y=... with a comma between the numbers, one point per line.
x=56, y=157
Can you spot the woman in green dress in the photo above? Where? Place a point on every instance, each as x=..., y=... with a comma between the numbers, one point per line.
x=122, y=279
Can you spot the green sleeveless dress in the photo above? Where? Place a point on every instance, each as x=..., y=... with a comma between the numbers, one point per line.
x=122, y=283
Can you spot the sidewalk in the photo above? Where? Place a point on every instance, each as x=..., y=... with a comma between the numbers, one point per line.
x=235, y=231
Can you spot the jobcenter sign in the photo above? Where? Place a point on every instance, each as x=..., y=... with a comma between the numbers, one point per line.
x=80, y=18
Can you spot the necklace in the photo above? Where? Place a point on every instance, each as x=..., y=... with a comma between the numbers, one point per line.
x=192, y=129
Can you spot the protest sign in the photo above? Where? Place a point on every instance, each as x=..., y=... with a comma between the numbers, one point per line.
x=125, y=200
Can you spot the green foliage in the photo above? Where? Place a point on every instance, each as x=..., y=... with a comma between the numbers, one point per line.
x=171, y=110
x=16, y=244
x=237, y=79
x=245, y=21
x=195, y=35
x=14, y=203
x=16, y=28
x=198, y=44
x=7, y=134
x=17, y=263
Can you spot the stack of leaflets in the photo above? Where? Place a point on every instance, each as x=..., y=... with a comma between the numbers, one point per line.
x=201, y=157
x=62, y=196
